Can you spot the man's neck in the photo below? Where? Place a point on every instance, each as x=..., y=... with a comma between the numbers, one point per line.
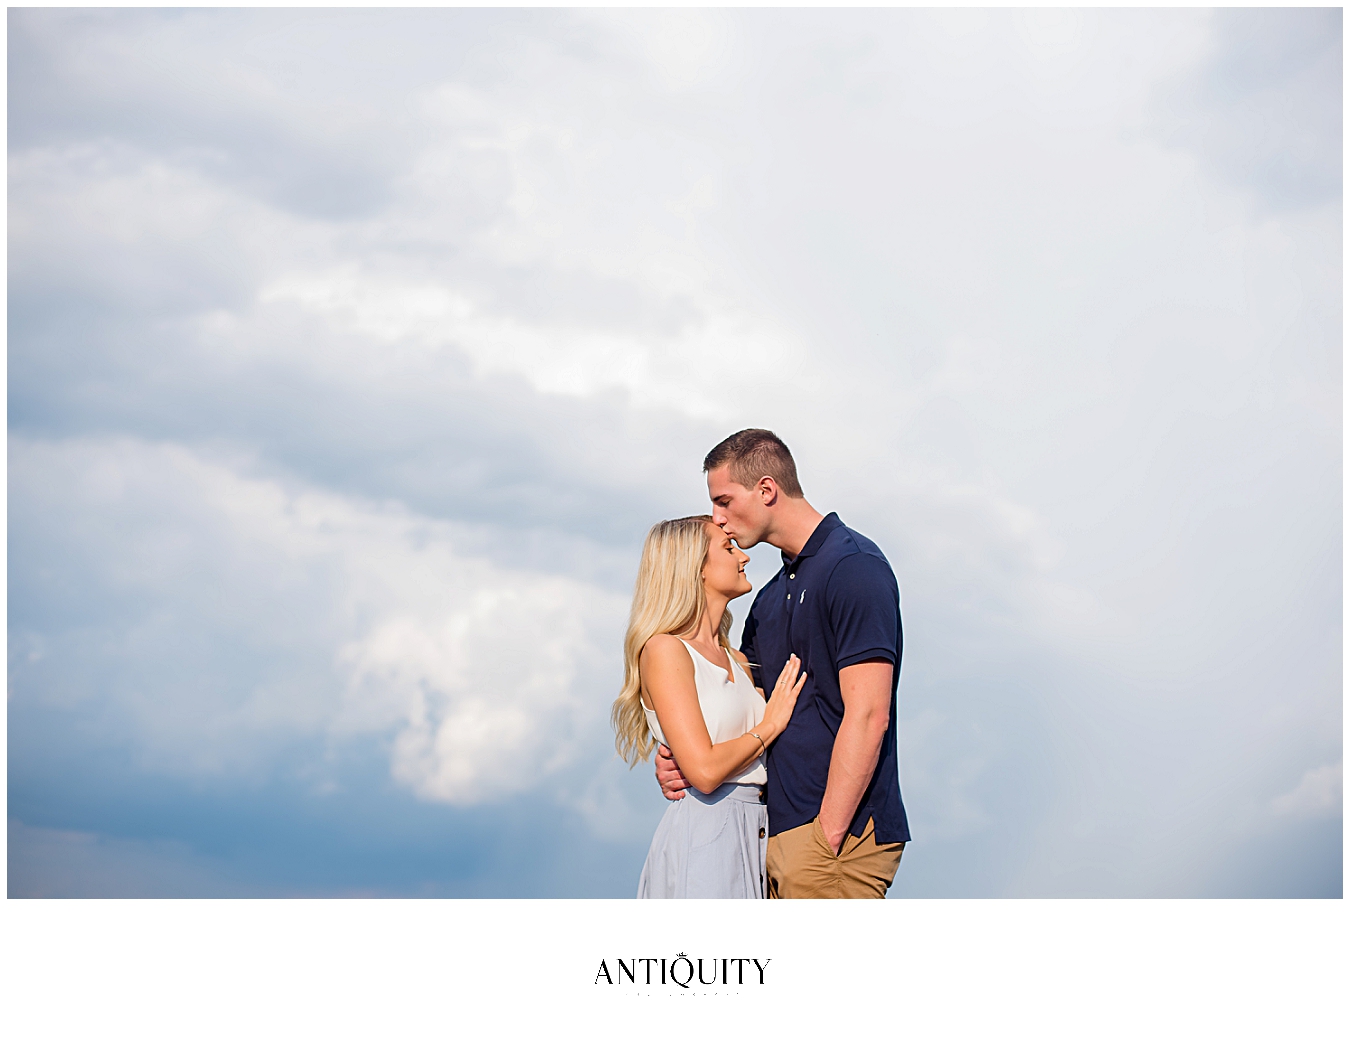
x=793, y=526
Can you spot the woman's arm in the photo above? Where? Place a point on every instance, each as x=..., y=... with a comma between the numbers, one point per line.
x=668, y=680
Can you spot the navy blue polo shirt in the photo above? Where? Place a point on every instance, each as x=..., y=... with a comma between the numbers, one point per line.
x=837, y=603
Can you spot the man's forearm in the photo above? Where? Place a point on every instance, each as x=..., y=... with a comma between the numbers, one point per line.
x=857, y=748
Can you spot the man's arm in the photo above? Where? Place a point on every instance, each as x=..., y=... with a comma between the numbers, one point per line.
x=668, y=774
x=866, y=691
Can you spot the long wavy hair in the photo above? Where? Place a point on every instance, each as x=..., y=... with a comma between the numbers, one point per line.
x=669, y=599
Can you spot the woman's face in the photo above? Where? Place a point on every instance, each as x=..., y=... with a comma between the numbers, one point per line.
x=724, y=569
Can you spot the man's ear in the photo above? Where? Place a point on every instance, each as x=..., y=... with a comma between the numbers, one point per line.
x=768, y=490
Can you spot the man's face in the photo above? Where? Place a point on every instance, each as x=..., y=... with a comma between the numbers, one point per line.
x=739, y=511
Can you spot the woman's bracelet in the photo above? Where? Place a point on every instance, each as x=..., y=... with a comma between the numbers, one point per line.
x=763, y=748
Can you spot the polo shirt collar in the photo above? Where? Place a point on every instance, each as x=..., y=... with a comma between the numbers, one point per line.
x=817, y=538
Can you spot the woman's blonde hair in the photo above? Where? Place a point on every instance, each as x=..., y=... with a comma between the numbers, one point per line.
x=668, y=599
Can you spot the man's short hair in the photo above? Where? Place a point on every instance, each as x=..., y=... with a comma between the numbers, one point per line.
x=754, y=454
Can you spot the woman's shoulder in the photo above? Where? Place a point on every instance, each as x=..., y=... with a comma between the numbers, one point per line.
x=664, y=648
x=744, y=663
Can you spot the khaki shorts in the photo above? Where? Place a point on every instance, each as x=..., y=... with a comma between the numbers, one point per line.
x=801, y=865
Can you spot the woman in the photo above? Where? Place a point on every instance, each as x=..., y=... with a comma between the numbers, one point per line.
x=685, y=686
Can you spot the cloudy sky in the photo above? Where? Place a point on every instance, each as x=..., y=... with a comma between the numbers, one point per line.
x=352, y=353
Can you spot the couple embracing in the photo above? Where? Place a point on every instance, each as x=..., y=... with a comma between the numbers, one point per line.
x=793, y=795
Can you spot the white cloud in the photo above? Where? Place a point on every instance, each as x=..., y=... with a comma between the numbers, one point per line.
x=248, y=612
x=676, y=371
x=686, y=49
x=1318, y=795
x=483, y=693
x=524, y=272
x=1263, y=109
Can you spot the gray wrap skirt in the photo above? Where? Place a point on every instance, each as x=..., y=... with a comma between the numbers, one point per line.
x=709, y=846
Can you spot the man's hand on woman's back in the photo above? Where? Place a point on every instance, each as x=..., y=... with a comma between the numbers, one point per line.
x=668, y=774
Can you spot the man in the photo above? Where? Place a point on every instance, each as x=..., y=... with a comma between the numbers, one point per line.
x=837, y=826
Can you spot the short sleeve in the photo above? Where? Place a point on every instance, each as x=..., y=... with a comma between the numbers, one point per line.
x=863, y=601
x=748, y=646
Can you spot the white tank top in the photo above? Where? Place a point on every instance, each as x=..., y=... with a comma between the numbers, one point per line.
x=731, y=708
